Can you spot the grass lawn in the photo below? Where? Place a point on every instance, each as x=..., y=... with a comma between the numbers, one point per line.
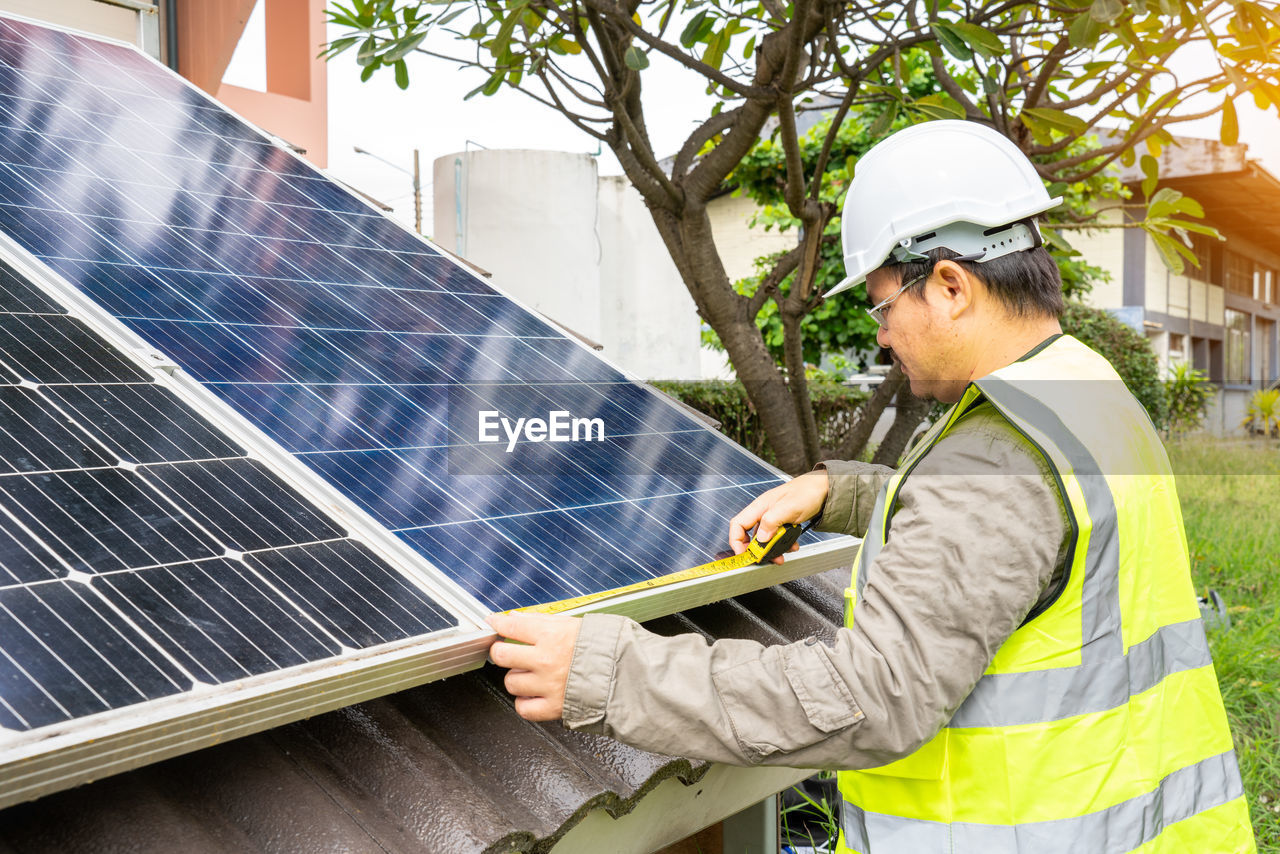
x=1230, y=493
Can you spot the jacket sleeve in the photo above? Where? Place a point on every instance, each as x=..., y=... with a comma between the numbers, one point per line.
x=852, y=488
x=979, y=530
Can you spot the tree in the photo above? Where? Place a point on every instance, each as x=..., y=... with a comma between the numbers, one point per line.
x=1043, y=74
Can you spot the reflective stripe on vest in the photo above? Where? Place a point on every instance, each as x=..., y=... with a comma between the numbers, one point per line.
x=1184, y=793
x=1064, y=689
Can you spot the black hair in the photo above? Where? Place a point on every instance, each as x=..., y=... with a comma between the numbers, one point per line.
x=1027, y=283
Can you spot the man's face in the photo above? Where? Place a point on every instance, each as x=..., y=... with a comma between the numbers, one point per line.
x=918, y=335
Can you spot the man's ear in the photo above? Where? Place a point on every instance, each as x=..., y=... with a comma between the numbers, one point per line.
x=957, y=287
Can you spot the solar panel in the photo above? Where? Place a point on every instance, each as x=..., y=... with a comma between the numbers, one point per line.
x=273, y=420
x=144, y=554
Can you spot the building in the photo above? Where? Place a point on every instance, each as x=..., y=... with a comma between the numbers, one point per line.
x=522, y=216
x=197, y=38
x=1223, y=316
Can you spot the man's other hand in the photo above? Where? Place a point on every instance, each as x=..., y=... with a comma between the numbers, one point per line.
x=797, y=501
x=538, y=663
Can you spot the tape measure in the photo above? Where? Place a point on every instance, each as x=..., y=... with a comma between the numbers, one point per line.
x=783, y=539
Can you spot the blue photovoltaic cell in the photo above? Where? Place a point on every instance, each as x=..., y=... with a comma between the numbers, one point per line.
x=142, y=551
x=353, y=344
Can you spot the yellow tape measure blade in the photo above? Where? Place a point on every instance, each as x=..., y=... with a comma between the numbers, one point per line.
x=781, y=542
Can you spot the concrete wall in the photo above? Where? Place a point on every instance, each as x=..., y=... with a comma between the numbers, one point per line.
x=739, y=244
x=649, y=323
x=581, y=249
x=1103, y=247
x=295, y=106
x=531, y=219
x=89, y=16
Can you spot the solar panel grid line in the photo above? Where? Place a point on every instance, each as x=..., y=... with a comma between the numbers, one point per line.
x=372, y=211
x=255, y=443
x=168, y=726
x=373, y=216
x=100, y=463
x=46, y=770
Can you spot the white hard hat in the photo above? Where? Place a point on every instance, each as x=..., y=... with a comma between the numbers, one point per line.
x=943, y=183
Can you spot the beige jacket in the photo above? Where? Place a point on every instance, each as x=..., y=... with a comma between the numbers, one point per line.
x=979, y=533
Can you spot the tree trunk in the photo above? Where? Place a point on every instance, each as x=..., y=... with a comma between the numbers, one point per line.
x=868, y=416
x=911, y=410
x=692, y=246
x=797, y=382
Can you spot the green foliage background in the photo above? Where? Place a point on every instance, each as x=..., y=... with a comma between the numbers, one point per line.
x=834, y=406
x=839, y=326
x=1126, y=349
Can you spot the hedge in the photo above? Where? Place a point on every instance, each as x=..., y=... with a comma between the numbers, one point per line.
x=1126, y=349
x=833, y=404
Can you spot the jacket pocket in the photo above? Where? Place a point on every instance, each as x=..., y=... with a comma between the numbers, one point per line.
x=785, y=701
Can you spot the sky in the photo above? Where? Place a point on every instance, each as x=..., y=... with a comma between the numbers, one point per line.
x=432, y=116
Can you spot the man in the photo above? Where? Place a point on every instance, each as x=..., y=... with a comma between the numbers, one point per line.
x=1023, y=668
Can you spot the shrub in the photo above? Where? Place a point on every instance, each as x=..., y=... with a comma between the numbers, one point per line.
x=1188, y=392
x=1127, y=350
x=1264, y=408
x=833, y=407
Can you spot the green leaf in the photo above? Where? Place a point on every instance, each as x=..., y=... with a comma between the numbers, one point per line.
x=939, y=106
x=404, y=48
x=981, y=40
x=1151, y=169
x=884, y=121
x=502, y=41
x=1191, y=207
x=951, y=41
x=402, y=74
x=1230, y=133
x=1163, y=203
x=1106, y=11
x=749, y=48
x=716, y=46
x=1039, y=130
x=1057, y=241
x=635, y=58
x=488, y=87
x=697, y=28
x=367, y=73
x=1084, y=32
x=1058, y=120
x=368, y=53
x=439, y=22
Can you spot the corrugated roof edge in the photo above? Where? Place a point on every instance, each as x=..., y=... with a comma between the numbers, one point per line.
x=445, y=767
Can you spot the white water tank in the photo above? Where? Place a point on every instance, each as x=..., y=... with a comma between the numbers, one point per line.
x=531, y=219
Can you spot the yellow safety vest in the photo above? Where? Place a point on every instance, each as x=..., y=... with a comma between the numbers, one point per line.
x=1099, y=727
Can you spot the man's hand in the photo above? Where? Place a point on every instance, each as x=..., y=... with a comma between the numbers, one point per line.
x=796, y=501
x=539, y=663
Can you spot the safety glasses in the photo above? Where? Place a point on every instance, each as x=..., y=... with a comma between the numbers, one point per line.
x=877, y=311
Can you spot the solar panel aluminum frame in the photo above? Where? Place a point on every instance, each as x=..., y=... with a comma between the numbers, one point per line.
x=57, y=757
x=658, y=601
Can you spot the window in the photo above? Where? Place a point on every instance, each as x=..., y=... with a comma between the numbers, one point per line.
x=1177, y=348
x=1264, y=331
x=1264, y=284
x=1239, y=270
x=1237, y=346
x=1202, y=245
